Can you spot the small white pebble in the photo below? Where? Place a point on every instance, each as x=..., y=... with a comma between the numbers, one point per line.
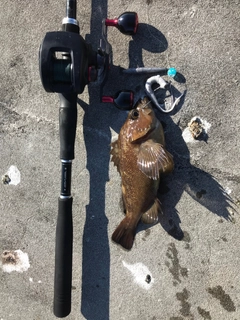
x=228, y=190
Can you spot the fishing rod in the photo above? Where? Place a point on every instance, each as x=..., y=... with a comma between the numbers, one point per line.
x=67, y=63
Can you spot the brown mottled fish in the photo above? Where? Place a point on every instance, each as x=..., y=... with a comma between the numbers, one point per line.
x=140, y=157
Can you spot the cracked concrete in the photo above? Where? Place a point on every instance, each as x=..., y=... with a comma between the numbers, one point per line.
x=197, y=238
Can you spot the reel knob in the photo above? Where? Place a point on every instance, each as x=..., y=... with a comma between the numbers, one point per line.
x=126, y=23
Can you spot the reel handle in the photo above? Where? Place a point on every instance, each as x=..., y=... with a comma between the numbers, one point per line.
x=123, y=100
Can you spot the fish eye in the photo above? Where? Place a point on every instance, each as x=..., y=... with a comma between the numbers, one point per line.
x=134, y=114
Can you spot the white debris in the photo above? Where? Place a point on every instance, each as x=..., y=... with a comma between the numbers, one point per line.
x=12, y=176
x=142, y=275
x=31, y=280
x=206, y=125
x=14, y=261
x=228, y=190
x=196, y=127
x=187, y=136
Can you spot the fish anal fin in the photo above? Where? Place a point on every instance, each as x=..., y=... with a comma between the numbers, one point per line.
x=115, y=153
x=154, y=159
x=151, y=215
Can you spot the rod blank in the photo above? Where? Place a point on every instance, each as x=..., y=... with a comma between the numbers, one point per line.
x=71, y=9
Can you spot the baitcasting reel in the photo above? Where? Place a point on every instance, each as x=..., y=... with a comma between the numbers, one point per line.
x=68, y=63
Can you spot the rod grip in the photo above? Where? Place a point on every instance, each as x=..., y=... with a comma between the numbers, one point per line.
x=63, y=259
x=67, y=124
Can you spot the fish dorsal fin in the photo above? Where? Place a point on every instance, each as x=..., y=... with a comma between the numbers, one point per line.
x=151, y=216
x=153, y=159
x=115, y=153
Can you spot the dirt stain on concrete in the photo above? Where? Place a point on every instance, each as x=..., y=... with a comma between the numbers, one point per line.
x=9, y=257
x=187, y=239
x=146, y=234
x=199, y=194
x=205, y=314
x=174, y=267
x=185, y=305
x=225, y=300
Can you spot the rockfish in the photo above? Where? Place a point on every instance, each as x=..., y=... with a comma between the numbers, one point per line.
x=140, y=157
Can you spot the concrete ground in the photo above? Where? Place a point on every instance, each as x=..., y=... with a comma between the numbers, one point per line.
x=192, y=255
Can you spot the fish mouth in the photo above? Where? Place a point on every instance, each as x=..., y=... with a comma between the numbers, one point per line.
x=145, y=135
x=149, y=132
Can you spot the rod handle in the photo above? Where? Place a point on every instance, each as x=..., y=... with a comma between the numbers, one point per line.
x=67, y=124
x=63, y=259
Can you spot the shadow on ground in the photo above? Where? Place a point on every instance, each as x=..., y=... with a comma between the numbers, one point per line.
x=97, y=136
x=95, y=250
x=200, y=185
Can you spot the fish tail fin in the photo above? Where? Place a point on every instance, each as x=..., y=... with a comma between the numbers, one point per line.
x=124, y=234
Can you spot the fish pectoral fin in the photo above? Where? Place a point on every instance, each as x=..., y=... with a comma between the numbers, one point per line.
x=153, y=158
x=115, y=153
x=151, y=216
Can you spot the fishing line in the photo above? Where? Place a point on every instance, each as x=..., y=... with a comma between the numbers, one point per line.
x=144, y=106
